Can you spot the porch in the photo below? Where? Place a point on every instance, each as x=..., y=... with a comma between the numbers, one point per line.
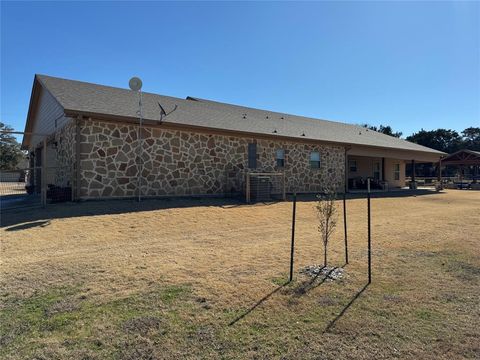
x=385, y=174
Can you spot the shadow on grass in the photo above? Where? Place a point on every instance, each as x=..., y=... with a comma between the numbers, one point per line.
x=344, y=310
x=41, y=223
x=310, y=285
x=260, y=302
x=11, y=217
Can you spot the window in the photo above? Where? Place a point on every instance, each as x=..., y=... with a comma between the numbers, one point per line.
x=396, y=171
x=280, y=156
x=252, y=156
x=376, y=170
x=352, y=165
x=315, y=160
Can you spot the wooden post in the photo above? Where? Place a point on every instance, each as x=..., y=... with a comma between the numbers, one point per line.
x=413, y=170
x=44, y=173
x=369, y=236
x=383, y=169
x=284, y=187
x=440, y=171
x=292, y=247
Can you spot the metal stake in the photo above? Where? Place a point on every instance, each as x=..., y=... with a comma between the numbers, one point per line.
x=293, y=235
x=345, y=225
x=369, y=236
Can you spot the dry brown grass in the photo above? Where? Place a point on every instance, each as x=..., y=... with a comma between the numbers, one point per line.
x=164, y=279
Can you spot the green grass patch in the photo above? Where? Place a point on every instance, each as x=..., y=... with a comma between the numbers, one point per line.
x=72, y=321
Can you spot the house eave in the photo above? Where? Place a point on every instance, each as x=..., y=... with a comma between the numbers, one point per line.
x=434, y=155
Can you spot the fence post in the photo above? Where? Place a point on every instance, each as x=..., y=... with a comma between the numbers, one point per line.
x=44, y=173
x=284, y=187
x=292, y=247
x=247, y=187
x=369, y=236
x=345, y=225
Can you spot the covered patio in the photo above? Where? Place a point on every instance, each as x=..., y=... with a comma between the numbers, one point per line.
x=384, y=168
x=467, y=163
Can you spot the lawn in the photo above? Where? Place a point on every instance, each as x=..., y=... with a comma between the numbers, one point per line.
x=207, y=279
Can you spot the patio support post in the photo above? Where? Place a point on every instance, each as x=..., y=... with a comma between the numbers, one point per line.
x=439, y=173
x=383, y=169
x=413, y=170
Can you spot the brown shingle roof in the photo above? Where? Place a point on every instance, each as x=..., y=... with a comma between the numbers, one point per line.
x=88, y=98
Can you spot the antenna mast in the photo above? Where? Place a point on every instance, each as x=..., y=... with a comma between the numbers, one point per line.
x=135, y=84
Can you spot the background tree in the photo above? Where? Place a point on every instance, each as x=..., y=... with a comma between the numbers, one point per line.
x=444, y=140
x=387, y=130
x=471, y=138
x=327, y=218
x=10, y=152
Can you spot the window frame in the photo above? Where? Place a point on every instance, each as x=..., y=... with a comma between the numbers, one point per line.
x=396, y=171
x=252, y=155
x=377, y=170
x=315, y=164
x=350, y=161
x=280, y=161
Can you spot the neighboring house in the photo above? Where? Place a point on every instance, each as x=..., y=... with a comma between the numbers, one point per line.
x=199, y=147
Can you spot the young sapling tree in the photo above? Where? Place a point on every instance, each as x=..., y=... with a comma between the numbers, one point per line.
x=327, y=218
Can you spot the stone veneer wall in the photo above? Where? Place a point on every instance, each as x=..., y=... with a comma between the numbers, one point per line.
x=190, y=163
x=65, y=155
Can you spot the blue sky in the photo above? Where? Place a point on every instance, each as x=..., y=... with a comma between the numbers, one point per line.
x=410, y=65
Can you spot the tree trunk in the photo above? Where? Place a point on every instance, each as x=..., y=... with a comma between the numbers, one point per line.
x=325, y=256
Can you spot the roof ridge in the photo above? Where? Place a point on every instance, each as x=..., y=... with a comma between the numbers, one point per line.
x=105, y=86
x=92, y=98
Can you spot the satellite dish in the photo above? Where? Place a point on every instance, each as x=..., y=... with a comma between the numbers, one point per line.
x=135, y=83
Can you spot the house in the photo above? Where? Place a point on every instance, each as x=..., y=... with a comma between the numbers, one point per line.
x=90, y=135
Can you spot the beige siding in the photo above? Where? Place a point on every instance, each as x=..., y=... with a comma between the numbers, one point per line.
x=364, y=166
x=47, y=118
x=358, y=150
x=389, y=172
x=365, y=169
